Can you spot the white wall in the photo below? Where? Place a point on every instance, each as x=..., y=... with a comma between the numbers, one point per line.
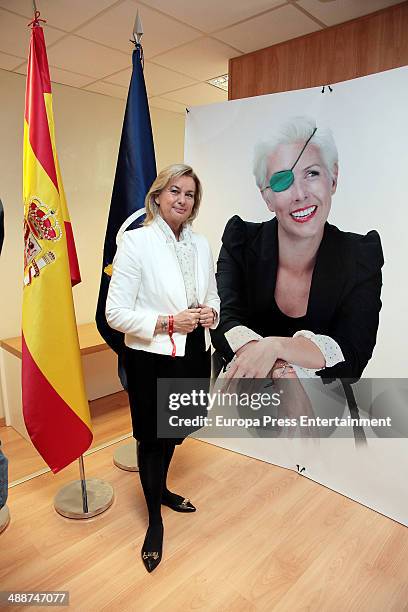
x=168, y=135
x=88, y=128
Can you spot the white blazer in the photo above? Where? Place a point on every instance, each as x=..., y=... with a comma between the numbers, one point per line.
x=147, y=282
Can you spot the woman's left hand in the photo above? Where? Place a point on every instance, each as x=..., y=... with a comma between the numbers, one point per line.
x=206, y=316
x=256, y=360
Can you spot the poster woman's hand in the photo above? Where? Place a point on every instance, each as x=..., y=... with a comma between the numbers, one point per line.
x=254, y=360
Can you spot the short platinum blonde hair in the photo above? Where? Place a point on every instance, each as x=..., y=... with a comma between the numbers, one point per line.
x=164, y=177
x=297, y=129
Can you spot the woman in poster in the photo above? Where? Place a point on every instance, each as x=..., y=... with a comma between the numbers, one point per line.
x=299, y=297
x=163, y=296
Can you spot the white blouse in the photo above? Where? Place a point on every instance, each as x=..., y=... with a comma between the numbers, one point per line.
x=186, y=257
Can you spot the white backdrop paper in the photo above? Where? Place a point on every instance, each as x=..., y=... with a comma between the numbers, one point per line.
x=368, y=118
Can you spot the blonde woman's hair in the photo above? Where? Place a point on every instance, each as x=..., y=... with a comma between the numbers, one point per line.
x=164, y=177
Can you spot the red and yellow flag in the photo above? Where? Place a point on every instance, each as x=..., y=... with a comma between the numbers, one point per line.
x=55, y=406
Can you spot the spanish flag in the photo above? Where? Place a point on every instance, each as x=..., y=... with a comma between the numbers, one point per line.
x=55, y=405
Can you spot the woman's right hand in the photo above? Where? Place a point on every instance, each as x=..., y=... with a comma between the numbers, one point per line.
x=187, y=320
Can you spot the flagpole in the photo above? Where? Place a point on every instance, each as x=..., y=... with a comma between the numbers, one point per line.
x=125, y=457
x=84, y=498
x=83, y=484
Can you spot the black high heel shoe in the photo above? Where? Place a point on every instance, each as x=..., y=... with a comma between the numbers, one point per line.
x=152, y=548
x=184, y=506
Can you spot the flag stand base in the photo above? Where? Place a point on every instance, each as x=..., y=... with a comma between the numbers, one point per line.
x=69, y=500
x=4, y=518
x=125, y=457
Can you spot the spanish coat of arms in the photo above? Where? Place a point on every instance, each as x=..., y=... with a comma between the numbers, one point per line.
x=41, y=227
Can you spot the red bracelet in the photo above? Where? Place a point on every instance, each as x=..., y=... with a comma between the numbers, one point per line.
x=171, y=331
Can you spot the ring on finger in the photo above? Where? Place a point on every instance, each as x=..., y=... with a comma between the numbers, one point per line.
x=287, y=367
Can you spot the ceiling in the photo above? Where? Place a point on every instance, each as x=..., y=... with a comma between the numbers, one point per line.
x=186, y=42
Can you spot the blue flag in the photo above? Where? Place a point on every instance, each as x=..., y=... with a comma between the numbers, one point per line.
x=135, y=172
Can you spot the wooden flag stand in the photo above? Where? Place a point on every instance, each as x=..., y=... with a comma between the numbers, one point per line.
x=125, y=457
x=82, y=499
x=4, y=518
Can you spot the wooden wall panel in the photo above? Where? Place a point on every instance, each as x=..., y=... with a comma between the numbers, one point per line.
x=352, y=49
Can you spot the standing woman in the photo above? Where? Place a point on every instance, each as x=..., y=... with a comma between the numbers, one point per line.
x=163, y=297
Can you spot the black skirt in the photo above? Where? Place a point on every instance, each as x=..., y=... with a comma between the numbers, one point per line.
x=144, y=368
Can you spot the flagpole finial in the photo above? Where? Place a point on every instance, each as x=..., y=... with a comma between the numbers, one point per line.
x=137, y=29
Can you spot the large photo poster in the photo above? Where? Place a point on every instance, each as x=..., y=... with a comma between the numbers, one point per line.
x=302, y=158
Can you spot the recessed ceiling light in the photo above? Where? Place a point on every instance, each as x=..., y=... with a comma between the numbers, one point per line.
x=221, y=82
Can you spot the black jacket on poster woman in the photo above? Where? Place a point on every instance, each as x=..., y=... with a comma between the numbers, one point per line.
x=344, y=300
